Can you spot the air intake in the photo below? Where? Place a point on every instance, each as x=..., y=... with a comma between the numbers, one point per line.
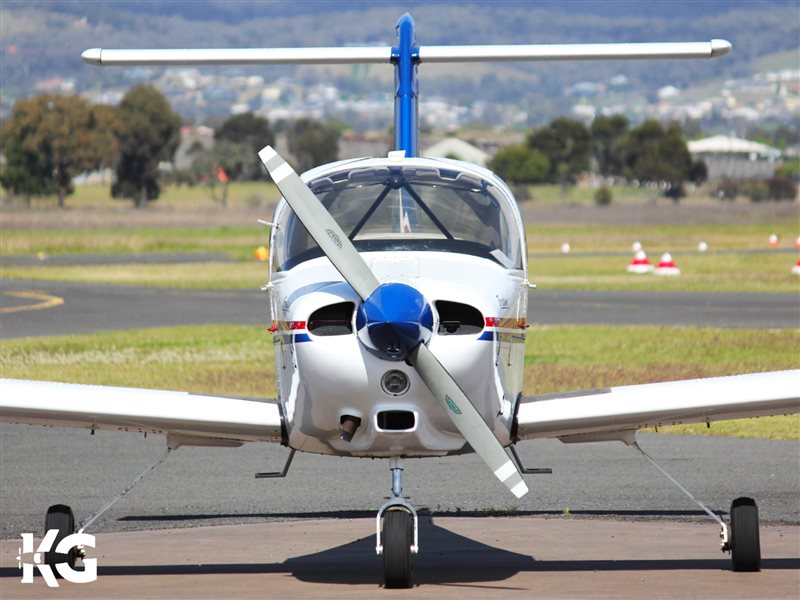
x=396, y=420
x=334, y=319
x=456, y=318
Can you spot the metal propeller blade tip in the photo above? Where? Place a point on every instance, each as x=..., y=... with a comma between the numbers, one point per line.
x=467, y=419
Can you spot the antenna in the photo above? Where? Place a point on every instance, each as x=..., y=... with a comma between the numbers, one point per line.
x=406, y=56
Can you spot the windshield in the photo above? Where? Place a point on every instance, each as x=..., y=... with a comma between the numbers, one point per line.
x=397, y=208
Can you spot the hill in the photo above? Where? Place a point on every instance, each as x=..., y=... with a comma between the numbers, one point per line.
x=43, y=40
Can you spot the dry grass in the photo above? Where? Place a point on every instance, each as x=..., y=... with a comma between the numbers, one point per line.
x=249, y=275
x=734, y=272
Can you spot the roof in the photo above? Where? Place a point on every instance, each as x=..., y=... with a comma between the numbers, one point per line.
x=459, y=149
x=722, y=144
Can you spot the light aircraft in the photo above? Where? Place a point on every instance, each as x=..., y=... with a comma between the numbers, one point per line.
x=399, y=289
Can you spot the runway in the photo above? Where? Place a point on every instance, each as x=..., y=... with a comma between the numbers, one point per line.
x=90, y=307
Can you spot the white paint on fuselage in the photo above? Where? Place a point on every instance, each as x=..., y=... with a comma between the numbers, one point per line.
x=326, y=377
x=322, y=378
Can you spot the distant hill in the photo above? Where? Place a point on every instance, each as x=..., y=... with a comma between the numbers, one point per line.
x=44, y=40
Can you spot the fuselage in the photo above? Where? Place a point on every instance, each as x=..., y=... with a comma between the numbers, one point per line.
x=447, y=229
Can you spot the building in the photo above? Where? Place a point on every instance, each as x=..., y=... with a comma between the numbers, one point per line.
x=735, y=158
x=459, y=149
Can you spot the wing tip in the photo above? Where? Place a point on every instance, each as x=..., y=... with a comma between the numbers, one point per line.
x=92, y=56
x=720, y=48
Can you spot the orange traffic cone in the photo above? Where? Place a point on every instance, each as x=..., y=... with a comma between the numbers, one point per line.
x=640, y=264
x=666, y=266
x=796, y=268
x=773, y=241
x=261, y=254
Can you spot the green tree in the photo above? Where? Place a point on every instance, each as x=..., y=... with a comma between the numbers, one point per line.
x=567, y=145
x=48, y=140
x=252, y=133
x=312, y=143
x=149, y=134
x=606, y=135
x=520, y=165
x=228, y=156
x=655, y=155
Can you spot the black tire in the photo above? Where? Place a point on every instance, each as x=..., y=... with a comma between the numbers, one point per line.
x=398, y=535
x=60, y=517
x=745, y=540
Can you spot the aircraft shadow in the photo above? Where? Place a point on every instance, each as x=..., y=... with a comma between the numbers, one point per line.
x=446, y=558
x=369, y=514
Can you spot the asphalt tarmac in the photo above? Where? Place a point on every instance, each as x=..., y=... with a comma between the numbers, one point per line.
x=496, y=557
x=605, y=524
x=84, y=308
x=212, y=496
x=216, y=486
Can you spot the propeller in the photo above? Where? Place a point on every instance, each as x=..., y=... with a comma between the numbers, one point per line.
x=394, y=318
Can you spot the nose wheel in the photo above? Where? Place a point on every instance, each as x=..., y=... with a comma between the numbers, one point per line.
x=396, y=528
x=398, y=537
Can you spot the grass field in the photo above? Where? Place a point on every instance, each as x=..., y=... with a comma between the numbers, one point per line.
x=237, y=243
x=739, y=272
x=261, y=193
x=730, y=265
x=658, y=238
x=237, y=360
x=241, y=193
x=735, y=272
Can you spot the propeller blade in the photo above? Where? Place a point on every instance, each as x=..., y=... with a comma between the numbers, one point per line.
x=320, y=224
x=467, y=419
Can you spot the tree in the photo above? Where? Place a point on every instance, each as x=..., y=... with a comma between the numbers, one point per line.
x=216, y=166
x=520, y=165
x=48, y=140
x=606, y=135
x=567, y=146
x=312, y=143
x=654, y=155
x=252, y=133
x=149, y=134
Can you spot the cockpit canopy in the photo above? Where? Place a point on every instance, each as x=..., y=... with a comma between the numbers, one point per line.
x=408, y=207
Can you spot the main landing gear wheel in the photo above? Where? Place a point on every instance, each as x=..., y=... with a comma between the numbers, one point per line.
x=745, y=541
x=398, y=536
x=60, y=517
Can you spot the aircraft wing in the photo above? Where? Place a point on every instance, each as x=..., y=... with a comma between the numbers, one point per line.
x=616, y=413
x=185, y=418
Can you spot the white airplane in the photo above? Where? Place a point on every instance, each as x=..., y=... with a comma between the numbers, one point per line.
x=399, y=291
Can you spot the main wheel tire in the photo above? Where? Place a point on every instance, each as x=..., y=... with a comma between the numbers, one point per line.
x=398, y=534
x=745, y=540
x=60, y=517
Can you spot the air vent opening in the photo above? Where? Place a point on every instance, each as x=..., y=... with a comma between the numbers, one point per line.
x=456, y=318
x=334, y=319
x=396, y=420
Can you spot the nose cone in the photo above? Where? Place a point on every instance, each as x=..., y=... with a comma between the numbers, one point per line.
x=394, y=320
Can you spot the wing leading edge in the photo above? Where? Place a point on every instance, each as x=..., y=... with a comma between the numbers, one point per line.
x=185, y=418
x=616, y=413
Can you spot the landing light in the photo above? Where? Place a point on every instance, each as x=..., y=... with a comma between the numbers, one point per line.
x=395, y=383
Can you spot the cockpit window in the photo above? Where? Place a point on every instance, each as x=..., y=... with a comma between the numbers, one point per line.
x=396, y=208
